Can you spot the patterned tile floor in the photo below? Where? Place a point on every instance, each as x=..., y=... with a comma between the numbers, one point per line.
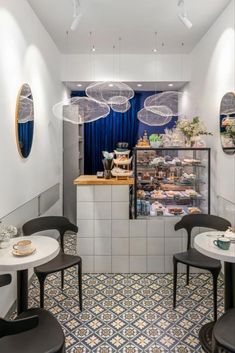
x=129, y=313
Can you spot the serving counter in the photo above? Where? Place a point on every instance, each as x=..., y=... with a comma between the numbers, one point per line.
x=109, y=241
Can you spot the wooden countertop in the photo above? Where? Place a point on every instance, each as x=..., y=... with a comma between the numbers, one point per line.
x=93, y=180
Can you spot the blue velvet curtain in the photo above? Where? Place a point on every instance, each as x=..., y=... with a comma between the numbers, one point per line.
x=103, y=134
x=25, y=137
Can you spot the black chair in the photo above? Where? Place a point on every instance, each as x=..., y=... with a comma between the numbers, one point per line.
x=223, y=335
x=192, y=257
x=62, y=261
x=35, y=330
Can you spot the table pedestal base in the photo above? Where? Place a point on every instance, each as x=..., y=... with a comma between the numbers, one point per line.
x=22, y=291
x=205, y=337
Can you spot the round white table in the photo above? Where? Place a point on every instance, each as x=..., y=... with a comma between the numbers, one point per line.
x=46, y=249
x=204, y=244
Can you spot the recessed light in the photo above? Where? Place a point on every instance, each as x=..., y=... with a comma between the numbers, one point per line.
x=139, y=85
x=170, y=85
x=79, y=85
x=155, y=50
x=110, y=85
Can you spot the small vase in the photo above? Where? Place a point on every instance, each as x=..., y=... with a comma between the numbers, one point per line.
x=108, y=165
x=188, y=142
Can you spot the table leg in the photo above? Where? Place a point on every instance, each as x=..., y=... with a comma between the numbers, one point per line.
x=229, y=283
x=22, y=291
x=205, y=334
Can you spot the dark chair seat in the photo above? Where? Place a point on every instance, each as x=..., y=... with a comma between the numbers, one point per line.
x=40, y=339
x=61, y=262
x=224, y=332
x=195, y=259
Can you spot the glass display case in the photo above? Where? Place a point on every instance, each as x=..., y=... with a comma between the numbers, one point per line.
x=171, y=181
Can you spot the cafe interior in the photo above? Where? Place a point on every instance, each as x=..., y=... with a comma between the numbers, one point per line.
x=117, y=183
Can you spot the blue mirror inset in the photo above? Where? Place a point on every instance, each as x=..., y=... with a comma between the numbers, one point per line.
x=24, y=120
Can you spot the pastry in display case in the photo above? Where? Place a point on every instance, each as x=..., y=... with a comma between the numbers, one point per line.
x=171, y=181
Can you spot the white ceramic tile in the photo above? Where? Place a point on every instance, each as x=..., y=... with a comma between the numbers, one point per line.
x=155, y=246
x=88, y=264
x=138, y=264
x=120, y=264
x=103, y=193
x=102, y=210
x=120, y=193
x=169, y=266
x=102, y=228
x=102, y=264
x=155, y=264
x=85, y=210
x=173, y=246
x=85, y=193
x=85, y=228
x=102, y=246
x=155, y=228
x=138, y=228
x=169, y=227
x=120, y=246
x=120, y=210
x=138, y=246
x=85, y=246
x=120, y=228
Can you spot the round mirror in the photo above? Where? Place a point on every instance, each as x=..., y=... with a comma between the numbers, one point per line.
x=24, y=120
x=227, y=123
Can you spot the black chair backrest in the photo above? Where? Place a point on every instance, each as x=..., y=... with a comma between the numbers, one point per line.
x=188, y=222
x=5, y=280
x=59, y=223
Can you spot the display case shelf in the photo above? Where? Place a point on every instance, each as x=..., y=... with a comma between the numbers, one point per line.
x=182, y=172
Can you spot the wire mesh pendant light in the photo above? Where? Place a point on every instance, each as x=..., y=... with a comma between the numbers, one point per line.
x=228, y=104
x=79, y=110
x=110, y=92
x=121, y=108
x=169, y=99
x=149, y=118
x=26, y=111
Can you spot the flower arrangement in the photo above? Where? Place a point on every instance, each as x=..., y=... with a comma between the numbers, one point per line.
x=6, y=232
x=230, y=130
x=192, y=128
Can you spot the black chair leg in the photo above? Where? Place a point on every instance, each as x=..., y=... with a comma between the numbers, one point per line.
x=215, y=279
x=174, y=282
x=62, y=279
x=41, y=280
x=80, y=284
x=187, y=275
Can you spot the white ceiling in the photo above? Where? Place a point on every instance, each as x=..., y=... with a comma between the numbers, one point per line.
x=145, y=86
x=135, y=21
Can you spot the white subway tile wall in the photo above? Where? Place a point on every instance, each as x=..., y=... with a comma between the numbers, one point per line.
x=109, y=242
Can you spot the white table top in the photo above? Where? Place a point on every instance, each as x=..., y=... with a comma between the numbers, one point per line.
x=204, y=244
x=46, y=249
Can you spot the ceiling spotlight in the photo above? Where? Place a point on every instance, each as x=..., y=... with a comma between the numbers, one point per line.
x=170, y=85
x=155, y=50
x=93, y=48
x=79, y=85
x=183, y=15
x=77, y=15
x=139, y=85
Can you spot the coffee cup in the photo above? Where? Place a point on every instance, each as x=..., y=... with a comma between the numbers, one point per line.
x=223, y=243
x=23, y=246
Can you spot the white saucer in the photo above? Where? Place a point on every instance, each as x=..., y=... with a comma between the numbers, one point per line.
x=21, y=254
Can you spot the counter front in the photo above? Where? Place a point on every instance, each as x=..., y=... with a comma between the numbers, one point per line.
x=110, y=242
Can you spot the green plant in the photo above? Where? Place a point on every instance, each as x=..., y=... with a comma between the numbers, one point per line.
x=155, y=138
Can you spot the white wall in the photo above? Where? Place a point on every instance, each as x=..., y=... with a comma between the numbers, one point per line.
x=29, y=55
x=136, y=68
x=212, y=66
